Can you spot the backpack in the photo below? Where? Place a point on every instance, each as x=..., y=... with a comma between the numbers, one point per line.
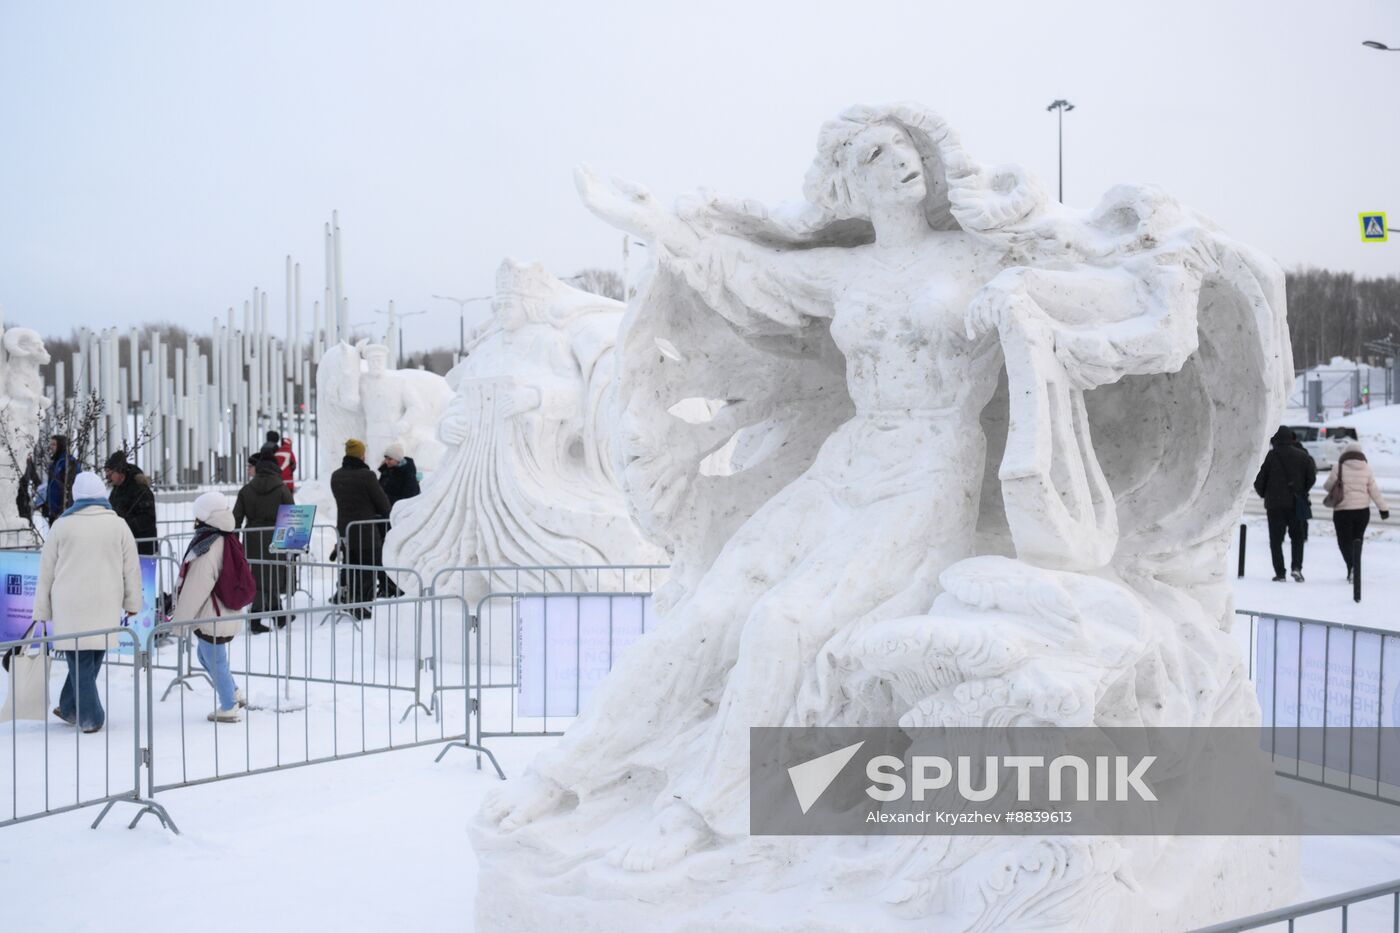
x=235, y=587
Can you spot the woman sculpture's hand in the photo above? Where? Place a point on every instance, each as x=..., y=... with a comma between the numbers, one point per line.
x=996, y=303
x=631, y=207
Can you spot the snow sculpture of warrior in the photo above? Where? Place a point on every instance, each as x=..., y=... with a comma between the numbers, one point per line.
x=22, y=399
x=357, y=395
x=528, y=475
x=988, y=451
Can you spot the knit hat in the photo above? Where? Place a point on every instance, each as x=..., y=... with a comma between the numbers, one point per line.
x=209, y=503
x=394, y=451
x=355, y=448
x=89, y=485
x=116, y=461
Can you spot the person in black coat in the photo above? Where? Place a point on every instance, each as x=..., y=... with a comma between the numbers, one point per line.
x=1283, y=483
x=359, y=498
x=133, y=500
x=256, y=507
x=398, y=476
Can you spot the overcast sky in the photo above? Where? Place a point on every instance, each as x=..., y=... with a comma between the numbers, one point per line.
x=158, y=160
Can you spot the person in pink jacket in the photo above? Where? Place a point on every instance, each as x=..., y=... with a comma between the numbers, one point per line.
x=1352, y=512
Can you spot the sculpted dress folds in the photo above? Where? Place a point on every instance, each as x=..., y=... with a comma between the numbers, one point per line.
x=527, y=479
x=986, y=454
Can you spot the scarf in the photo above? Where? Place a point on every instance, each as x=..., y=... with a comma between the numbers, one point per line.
x=84, y=503
x=203, y=540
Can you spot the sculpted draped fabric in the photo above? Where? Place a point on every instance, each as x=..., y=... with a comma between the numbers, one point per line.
x=527, y=478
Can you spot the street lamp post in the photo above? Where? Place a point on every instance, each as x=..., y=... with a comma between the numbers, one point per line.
x=1061, y=106
x=462, y=317
x=395, y=331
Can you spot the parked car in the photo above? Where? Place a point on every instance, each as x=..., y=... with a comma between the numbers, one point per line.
x=1324, y=442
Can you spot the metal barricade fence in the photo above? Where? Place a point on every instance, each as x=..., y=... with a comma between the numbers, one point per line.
x=50, y=771
x=497, y=630
x=1322, y=687
x=542, y=693
x=1339, y=910
x=297, y=716
x=331, y=692
x=20, y=539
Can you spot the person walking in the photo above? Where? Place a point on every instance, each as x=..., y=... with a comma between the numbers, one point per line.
x=1284, y=479
x=256, y=508
x=89, y=577
x=208, y=593
x=1351, y=488
x=281, y=448
x=63, y=473
x=133, y=501
x=398, y=477
x=359, y=498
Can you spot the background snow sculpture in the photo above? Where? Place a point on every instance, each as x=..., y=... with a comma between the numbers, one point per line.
x=358, y=395
x=23, y=402
x=1013, y=508
x=339, y=412
x=528, y=476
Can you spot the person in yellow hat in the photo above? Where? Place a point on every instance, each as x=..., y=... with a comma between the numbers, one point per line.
x=359, y=498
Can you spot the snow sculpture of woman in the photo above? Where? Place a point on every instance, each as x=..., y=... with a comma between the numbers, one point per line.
x=1024, y=485
x=527, y=479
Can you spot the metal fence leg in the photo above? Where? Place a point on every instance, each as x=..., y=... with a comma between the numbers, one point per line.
x=184, y=672
x=141, y=660
x=417, y=664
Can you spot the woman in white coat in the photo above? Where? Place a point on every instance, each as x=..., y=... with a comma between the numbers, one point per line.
x=194, y=599
x=89, y=576
x=1352, y=513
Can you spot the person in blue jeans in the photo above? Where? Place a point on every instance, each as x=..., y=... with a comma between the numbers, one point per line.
x=80, y=702
x=194, y=601
x=89, y=576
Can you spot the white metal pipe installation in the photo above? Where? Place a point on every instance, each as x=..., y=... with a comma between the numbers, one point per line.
x=207, y=401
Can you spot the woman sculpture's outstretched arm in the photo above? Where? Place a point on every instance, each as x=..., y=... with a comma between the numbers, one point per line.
x=758, y=288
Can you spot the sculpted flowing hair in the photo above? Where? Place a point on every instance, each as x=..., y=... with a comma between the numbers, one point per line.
x=962, y=194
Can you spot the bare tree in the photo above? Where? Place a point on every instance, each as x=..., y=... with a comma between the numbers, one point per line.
x=605, y=282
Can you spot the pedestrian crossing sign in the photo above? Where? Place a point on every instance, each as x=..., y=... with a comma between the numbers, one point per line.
x=1373, y=228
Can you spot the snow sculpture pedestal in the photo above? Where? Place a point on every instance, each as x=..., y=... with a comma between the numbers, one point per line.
x=987, y=454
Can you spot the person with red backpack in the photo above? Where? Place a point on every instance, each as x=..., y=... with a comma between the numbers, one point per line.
x=215, y=583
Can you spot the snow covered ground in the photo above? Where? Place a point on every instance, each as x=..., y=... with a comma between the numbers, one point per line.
x=379, y=842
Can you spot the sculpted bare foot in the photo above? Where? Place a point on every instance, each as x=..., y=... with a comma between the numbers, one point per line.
x=514, y=806
x=672, y=835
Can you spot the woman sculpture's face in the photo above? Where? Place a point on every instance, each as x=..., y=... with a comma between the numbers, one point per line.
x=886, y=168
